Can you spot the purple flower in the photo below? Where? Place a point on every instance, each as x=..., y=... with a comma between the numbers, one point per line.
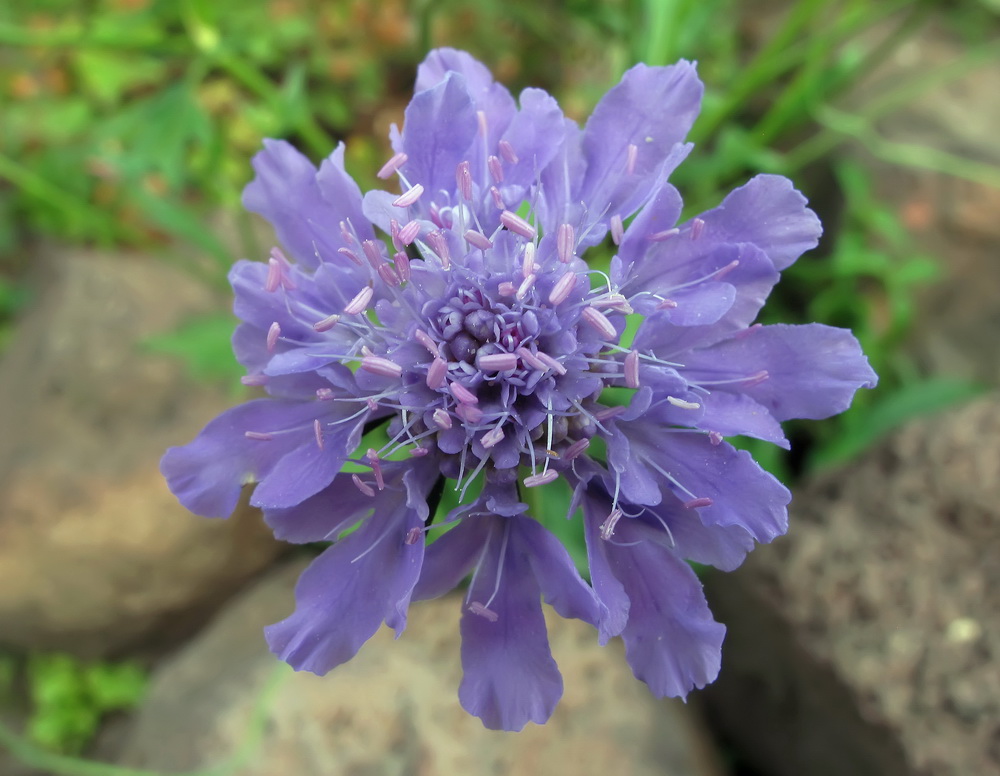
x=458, y=317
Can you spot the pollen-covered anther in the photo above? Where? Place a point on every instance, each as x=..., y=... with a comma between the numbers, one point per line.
x=463, y=178
x=327, y=323
x=617, y=229
x=507, y=151
x=565, y=242
x=272, y=336
x=492, y=437
x=599, y=322
x=478, y=240
x=488, y=614
x=360, y=301
x=684, y=404
x=318, y=433
x=497, y=362
x=436, y=373
x=381, y=366
x=496, y=170
x=462, y=394
x=608, y=526
x=517, y=225
x=694, y=503
x=697, y=227
x=441, y=418
x=363, y=486
x=392, y=166
x=525, y=287
x=630, y=158
x=410, y=197
x=543, y=478
x=561, y=290
x=632, y=369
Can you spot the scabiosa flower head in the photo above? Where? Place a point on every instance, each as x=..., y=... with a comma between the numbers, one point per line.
x=459, y=314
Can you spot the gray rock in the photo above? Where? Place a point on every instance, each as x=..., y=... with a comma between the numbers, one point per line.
x=95, y=554
x=867, y=641
x=394, y=709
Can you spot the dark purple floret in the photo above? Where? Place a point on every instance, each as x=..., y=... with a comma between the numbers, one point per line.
x=459, y=316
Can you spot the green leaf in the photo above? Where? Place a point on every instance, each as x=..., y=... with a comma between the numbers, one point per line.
x=203, y=345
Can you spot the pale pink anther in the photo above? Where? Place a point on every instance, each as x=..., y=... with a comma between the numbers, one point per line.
x=325, y=394
x=576, y=449
x=272, y=336
x=381, y=366
x=561, y=290
x=419, y=452
x=424, y=339
x=360, y=301
x=613, y=302
x=632, y=369
x=694, y=503
x=372, y=253
x=409, y=232
x=551, y=363
x=470, y=413
x=388, y=275
x=507, y=151
x=371, y=403
x=528, y=260
x=413, y=535
x=318, y=433
x=631, y=155
x=436, y=373
x=462, y=394
x=531, y=359
x=492, y=437
x=756, y=379
x=684, y=404
x=599, y=322
x=667, y=304
x=506, y=288
x=389, y=168
x=498, y=202
x=401, y=263
x=327, y=323
x=366, y=351
x=666, y=234
x=363, y=486
x=478, y=240
x=463, y=179
x=607, y=413
x=411, y=196
x=697, y=227
x=351, y=255
x=345, y=234
x=715, y=438
x=726, y=270
x=279, y=255
x=544, y=478
x=496, y=170
x=488, y=614
x=526, y=286
x=617, y=229
x=441, y=418
x=608, y=526
x=254, y=380
x=497, y=362
x=376, y=464
x=273, y=276
x=439, y=245
x=565, y=242
x=260, y=436
x=517, y=225
x=394, y=233
x=483, y=123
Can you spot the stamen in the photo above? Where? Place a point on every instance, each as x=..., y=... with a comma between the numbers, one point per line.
x=561, y=290
x=477, y=608
x=364, y=487
x=327, y=323
x=483, y=125
x=436, y=373
x=351, y=255
x=318, y=432
x=470, y=413
x=684, y=405
x=525, y=286
x=414, y=534
x=507, y=152
x=714, y=437
x=608, y=526
x=632, y=369
x=345, y=234
x=478, y=239
x=419, y=452
x=401, y=263
x=497, y=198
x=372, y=404
x=325, y=394
x=666, y=234
x=390, y=167
x=599, y=322
x=261, y=436
x=381, y=366
x=442, y=418
x=613, y=301
x=528, y=260
x=697, y=227
x=388, y=275
x=439, y=245
x=726, y=270
x=492, y=437
x=273, y=276
x=496, y=171
x=497, y=362
x=409, y=232
x=463, y=178
x=372, y=253
x=360, y=302
x=394, y=233
x=537, y=480
x=575, y=449
x=694, y=503
x=667, y=304
x=518, y=225
x=272, y=336
x=376, y=465
x=254, y=380
x=409, y=197
x=551, y=363
x=463, y=394
x=424, y=339
x=531, y=360
x=565, y=242
x=506, y=288
x=631, y=156
x=607, y=413
x=617, y=229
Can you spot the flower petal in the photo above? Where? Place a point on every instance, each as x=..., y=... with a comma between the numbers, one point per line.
x=732, y=414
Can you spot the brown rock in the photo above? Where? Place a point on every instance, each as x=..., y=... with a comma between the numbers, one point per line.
x=95, y=554
x=867, y=641
x=394, y=709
